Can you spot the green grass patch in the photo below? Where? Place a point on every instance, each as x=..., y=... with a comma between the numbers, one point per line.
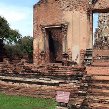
x=21, y=102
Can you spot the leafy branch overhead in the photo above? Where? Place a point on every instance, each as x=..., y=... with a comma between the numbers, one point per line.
x=6, y=33
x=26, y=44
x=4, y=28
x=14, y=36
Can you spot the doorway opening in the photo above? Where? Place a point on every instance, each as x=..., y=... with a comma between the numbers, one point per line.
x=1, y=50
x=101, y=39
x=54, y=36
x=101, y=30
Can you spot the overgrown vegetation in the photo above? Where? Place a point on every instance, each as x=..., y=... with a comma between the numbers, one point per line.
x=23, y=48
x=20, y=102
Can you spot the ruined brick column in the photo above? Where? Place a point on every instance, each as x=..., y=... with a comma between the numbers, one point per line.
x=64, y=32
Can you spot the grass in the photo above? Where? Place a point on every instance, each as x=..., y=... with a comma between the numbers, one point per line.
x=20, y=102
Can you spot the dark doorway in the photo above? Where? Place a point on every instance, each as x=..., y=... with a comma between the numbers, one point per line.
x=55, y=44
x=1, y=50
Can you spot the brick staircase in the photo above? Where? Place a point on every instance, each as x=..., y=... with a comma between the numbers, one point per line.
x=51, y=74
x=29, y=70
x=93, y=85
x=99, y=90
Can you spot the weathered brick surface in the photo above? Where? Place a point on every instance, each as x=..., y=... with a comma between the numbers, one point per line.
x=97, y=70
x=93, y=85
x=99, y=91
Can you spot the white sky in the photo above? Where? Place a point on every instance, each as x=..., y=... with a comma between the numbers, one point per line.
x=95, y=21
x=19, y=14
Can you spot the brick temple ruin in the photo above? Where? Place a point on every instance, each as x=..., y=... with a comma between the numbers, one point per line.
x=63, y=30
x=66, y=55
x=58, y=28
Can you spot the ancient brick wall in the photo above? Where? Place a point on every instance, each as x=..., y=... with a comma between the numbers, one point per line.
x=45, y=13
x=101, y=6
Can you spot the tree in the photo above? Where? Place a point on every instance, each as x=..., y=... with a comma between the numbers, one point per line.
x=6, y=33
x=13, y=51
x=4, y=28
x=22, y=49
x=15, y=45
x=26, y=45
x=14, y=36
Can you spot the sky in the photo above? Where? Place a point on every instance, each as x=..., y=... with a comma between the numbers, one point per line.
x=95, y=24
x=95, y=21
x=19, y=14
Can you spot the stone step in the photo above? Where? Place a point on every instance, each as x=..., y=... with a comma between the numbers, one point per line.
x=100, y=78
x=58, y=107
x=99, y=106
x=100, y=87
x=97, y=70
x=31, y=80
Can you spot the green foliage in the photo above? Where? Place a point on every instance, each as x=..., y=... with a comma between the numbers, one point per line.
x=13, y=51
x=6, y=33
x=20, y=102
x=22, y=48
x=4, y=28
x=26, y=44
x=14, y=36
x=15, y=45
